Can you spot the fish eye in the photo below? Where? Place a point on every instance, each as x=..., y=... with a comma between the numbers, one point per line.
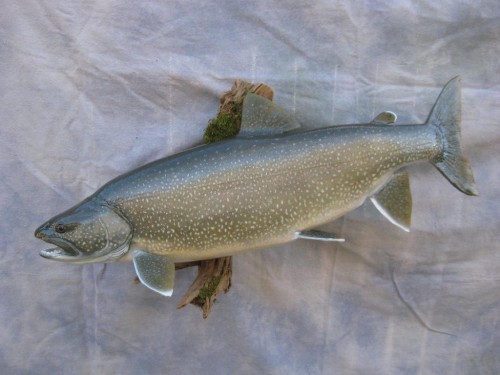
x=60, y=228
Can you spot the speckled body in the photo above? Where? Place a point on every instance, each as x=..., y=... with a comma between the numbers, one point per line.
x=270, y=184
x=248, y=193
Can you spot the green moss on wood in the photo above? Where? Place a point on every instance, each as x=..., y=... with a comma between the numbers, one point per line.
x=226, y=125
x=220, y=128
x=207, y=291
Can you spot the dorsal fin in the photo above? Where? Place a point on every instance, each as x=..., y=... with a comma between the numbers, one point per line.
x=385, y=118
x=262, y=117
x=394, y=200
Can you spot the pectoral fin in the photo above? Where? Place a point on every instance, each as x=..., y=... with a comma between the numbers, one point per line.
x=394, y=200
x=155, y=271
x=318, y=236
x=385, y=118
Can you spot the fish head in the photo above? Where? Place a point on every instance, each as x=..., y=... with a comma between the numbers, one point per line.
x=92, y=232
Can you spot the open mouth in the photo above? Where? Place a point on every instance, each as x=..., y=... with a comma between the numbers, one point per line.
x=55, y=253
x=64, y=251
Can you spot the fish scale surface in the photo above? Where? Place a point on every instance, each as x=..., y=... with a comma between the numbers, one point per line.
x=253, y=192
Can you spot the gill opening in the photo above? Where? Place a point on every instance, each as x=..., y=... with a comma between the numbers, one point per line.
x=105, y=227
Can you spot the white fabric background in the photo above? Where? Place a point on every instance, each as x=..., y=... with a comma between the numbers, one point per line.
x=91, y=89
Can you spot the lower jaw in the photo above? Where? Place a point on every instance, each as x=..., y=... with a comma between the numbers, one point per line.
x=59, y=255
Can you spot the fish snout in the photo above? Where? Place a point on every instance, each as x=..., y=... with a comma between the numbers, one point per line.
x=42, y=232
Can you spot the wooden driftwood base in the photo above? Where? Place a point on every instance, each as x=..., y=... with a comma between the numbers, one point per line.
x=214, y=275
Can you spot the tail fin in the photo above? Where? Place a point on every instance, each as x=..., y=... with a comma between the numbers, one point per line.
x=445, y=117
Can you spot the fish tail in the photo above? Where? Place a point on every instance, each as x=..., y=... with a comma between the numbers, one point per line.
x=445, y=118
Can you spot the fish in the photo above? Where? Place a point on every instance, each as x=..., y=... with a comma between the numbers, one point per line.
x=271, y=184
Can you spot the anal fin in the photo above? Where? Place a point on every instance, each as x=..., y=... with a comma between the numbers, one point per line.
x=318, y=236
x=155, y=271
x=394, y=200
